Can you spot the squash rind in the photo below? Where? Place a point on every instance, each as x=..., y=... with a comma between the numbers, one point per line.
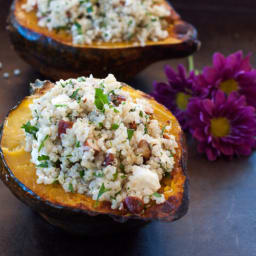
x=60, y=60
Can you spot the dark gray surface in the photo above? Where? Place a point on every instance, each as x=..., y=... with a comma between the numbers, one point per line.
x=222, y=216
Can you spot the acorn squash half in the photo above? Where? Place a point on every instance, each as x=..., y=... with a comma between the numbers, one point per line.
x=76, y=212
x=54, y=55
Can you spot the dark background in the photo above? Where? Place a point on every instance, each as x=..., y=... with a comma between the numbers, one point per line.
x=222, y=216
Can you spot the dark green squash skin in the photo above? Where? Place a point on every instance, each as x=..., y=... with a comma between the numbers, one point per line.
x=83, y=222
x=59, y=61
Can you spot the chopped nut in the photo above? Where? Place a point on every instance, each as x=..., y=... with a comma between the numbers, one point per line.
x=144, y=149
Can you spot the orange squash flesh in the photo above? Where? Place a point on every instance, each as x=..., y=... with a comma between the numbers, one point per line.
x=17, y=161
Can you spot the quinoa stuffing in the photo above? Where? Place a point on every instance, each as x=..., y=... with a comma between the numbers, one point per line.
x=92, y=138
x=103, y=20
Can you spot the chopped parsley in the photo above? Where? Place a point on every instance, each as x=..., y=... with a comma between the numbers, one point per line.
x=163, y=130
x=156, y=195
x=77, y=144
x=75, y=95
x=141, y=114
x=81, y=79
x=79, y=28
x=89, y=9
x=42, y=143
x=121, y=166
x=116, y=111
x=100, y=99
x=114, y=126
x=115, y=176
x=81, y=173
x=60, y=105
x=30, y=129
x=98, y=174
x=130, y=133
x=43, y=165
x=102, y=191
x=70, y=187
x=43, y=158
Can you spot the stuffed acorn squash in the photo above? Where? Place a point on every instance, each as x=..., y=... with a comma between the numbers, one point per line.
x=52, y=51
x=94, y=156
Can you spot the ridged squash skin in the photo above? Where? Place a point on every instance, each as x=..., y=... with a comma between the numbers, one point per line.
x=75, y=212
x=55, y=56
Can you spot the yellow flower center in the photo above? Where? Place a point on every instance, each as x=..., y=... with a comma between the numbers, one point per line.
x=220, y=127
x=229, y=86
x=182, y=100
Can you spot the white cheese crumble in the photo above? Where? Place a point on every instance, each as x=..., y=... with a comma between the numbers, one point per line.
x=92, y=138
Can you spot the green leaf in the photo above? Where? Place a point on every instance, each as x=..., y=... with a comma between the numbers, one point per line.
x=115, y=176
x=70, y=188
x=77, y=144
x=89, y=9
x=60, y=105
x=43, y=165
x=42, y=143
x=114, y=126
x=130, y=133
x=163, y=129
x=81, y=173
x=100, y=99
x=43, y=158
x=30, y=129
x=79, y=28
x=98, y=174
x=156, y=195
x=75, y=95
x=121, y=166
x=102, y=191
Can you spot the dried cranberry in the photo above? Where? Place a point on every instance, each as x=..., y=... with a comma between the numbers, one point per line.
x=109, y=159
x=63, y=126
x=133, y=204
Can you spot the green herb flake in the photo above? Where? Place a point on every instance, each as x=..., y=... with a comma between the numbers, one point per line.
x=79, y=28
x=121, y=166
x=89, y=9
x=42, y=143
x=123, y=176
x=114, y=126
x=81, y=79
x=115, y=176
x=43, y=158
x=60, y=105
x=141, y=114
x=77, y=144
x=43, y=165
x=130, y=133
x=156, y=195
x=98, y=174
x=100, y=99
x=163, y=130
x=102, y=191
x=70, y=188
x=81, y=173
x=75, y=95
x=30, y=129
x=101, y=125
x=116, y=111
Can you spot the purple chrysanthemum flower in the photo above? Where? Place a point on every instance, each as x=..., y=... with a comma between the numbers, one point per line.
x=176, y=94
x=224, y=125
x=231, y=74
